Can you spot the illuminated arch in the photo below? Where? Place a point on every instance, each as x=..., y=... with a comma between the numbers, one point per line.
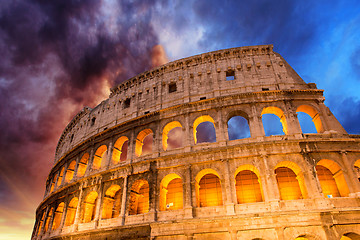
x=168, y=127
x=248, y=184
x=313, y=113
x=111, y=202
x=40, y=224
x=198, y=121
x=99, y=156
x=140, y=140
x=57, y=217
x=118, y=149
x=290, y=181
x=70, y=171
x=71, y=211
x=59, y=180
x=208, y=188
x=238, y=117
x=279, y=113
x=47, y=221
x=350, y=236
x=90, y=207
x=83, y=165
x=171, y=192
x=53, y=184
x=334, y=172
x=139, y=197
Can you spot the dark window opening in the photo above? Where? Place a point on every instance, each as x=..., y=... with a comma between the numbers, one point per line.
x=72, y=137
x=172, y=87
x=265, y=89
x=147, y=112
x=93, y=121
x=202, y=98
x=127, y=103
x=230, y=75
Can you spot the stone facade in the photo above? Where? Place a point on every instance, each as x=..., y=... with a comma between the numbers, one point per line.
x=94, y=191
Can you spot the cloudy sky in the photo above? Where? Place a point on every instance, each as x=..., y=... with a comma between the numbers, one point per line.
x=58, y=56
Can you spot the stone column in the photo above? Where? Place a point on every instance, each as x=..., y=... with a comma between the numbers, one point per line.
x=220, y=128
x=44, y=220
x=99, y=203
x=229, y=190
x=272, y=190
x=109, y=155
x=312, y=183
x=123, y=200
x=78, y=207
x=255, y=123
x=63, y=216
x=188, y=190
x=187, y=130
x=293, y=124
x=64, y=174
x=76, y=167
x=90, y=162
x=350, y=177
x=153, y=189
x=131, y=147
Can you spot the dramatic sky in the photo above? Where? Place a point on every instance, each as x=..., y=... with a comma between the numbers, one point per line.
x=58, y=56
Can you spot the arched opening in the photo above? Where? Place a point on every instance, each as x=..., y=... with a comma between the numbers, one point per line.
x=350, y=236
x=120, y=150
x=208, y=189
x=59, y=180
x=144, y=142
x=71, y=211
x=100, y=154
x=70, y=171
x=171, y=193
x=331, y=179
x=83, y=165
x=311, y=121
x=238, y=127
x=290, y=181
x=357, y=168
x=40, y=224
x=111, y=202
x=139, y=198
x=90, y=207
x=248, y=185
x=301, y=238
x=57, y=217
x=204, y=129
x=47, y=221
x=172, y=135
x=52, y=184
x=274, y=121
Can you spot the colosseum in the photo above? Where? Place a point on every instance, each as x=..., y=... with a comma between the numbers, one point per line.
x=138, y=166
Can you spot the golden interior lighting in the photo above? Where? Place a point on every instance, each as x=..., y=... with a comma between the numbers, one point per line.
x=71, y=211
x=301, y=238
x=118, y=149
x=111, y=202
x=314, y=116
x=139, y=198
x=70, y=171
x=83, y=165
x=210, y=191
x=336, y=174
x=100, y=154
x=171, y=192
x=59, y=180
x=327, y=182
x=168, y=127
x=52, y=184
x=350, y=236
x=248, y=188
x=140, y=141
x=288, y=184
x=48, y=217
x=90, y=207
x=199, y=120
x=279, y=113
x=57, y=217
x=40, y=223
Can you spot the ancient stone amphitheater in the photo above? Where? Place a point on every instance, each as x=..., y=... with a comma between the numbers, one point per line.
x=120, y=172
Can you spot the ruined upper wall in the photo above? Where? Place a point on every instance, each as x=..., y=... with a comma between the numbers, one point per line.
x=204, y=76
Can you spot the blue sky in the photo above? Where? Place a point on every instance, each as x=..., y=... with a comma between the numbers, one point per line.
x=59, y=56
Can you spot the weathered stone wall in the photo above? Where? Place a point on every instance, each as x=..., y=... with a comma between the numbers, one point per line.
x=263, y=83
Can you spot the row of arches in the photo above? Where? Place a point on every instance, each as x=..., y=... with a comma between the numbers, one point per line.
x=172, y=136
x=208, y=189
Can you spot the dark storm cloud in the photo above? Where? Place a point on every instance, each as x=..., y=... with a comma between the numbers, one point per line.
x=56, y=57
x=347, y=112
